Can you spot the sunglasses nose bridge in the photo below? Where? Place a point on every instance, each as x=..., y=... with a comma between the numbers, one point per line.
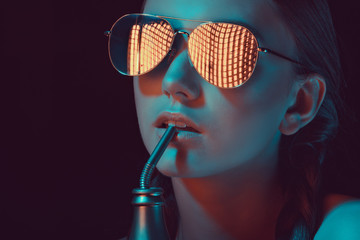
x=182, y=32
x=175, y=48
x=175, y=35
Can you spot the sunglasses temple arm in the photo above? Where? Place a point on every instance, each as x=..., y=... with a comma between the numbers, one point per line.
x=266, y=50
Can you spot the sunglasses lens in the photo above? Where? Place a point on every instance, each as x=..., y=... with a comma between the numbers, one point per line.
x=224, y=54
x=138, y=43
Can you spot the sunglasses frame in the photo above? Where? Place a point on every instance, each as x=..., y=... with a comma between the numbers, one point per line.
x=163, y=18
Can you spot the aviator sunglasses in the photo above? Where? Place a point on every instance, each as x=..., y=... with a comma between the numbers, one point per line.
x=224, y=54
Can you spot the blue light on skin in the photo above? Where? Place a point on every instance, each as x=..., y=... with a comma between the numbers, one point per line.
x=341, y=223
x=225, y=182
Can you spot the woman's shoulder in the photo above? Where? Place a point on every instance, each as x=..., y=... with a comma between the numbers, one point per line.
x=342, y=219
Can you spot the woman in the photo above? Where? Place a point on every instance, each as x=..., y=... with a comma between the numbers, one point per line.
x=245, y=163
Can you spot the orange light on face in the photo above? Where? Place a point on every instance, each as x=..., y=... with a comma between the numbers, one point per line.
x=148, y=45
x=224, y=54
x=133, y=50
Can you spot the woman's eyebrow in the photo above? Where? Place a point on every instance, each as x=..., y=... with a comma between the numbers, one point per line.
x=256, y=33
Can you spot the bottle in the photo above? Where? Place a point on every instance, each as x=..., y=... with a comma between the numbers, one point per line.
x=148, y=219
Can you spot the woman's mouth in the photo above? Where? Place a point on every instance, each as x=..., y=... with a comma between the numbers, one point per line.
x=180, y=126
x=188, y=132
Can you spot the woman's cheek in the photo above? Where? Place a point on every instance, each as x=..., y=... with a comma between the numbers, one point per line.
x=143, y=110
x=242, y=129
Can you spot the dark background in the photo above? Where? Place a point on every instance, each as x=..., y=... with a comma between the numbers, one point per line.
x=70, y=147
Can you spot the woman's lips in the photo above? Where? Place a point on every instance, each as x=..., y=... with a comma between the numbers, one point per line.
x=180, y=121
x=182, y=137
x=188, y=132
x=179, y=125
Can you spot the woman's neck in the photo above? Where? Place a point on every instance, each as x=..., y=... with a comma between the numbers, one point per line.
x=238, y=204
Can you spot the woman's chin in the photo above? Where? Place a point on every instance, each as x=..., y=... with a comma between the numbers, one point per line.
x=173, y=163
x=183, y=168
x=188, y=164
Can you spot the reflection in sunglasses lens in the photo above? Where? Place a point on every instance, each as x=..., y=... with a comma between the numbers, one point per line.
x=148, y=45
x=224, y=54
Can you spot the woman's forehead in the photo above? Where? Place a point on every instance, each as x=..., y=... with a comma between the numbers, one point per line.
x=210, y=10
x=257, y=14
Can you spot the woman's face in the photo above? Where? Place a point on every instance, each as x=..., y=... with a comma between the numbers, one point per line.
x=236, y=128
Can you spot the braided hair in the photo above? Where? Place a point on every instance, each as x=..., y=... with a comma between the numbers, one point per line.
x=310, y=23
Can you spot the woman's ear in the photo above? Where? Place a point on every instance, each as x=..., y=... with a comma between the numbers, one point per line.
x=305, y=103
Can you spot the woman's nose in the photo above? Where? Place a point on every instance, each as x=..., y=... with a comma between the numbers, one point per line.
x=181, y=81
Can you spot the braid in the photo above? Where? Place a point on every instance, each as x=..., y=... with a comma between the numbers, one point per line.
x=301, y=154
x=299, y=166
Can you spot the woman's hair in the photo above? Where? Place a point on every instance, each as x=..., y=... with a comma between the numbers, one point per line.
x=302, y=153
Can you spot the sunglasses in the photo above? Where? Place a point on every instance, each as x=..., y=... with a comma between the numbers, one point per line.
x=224, y=54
